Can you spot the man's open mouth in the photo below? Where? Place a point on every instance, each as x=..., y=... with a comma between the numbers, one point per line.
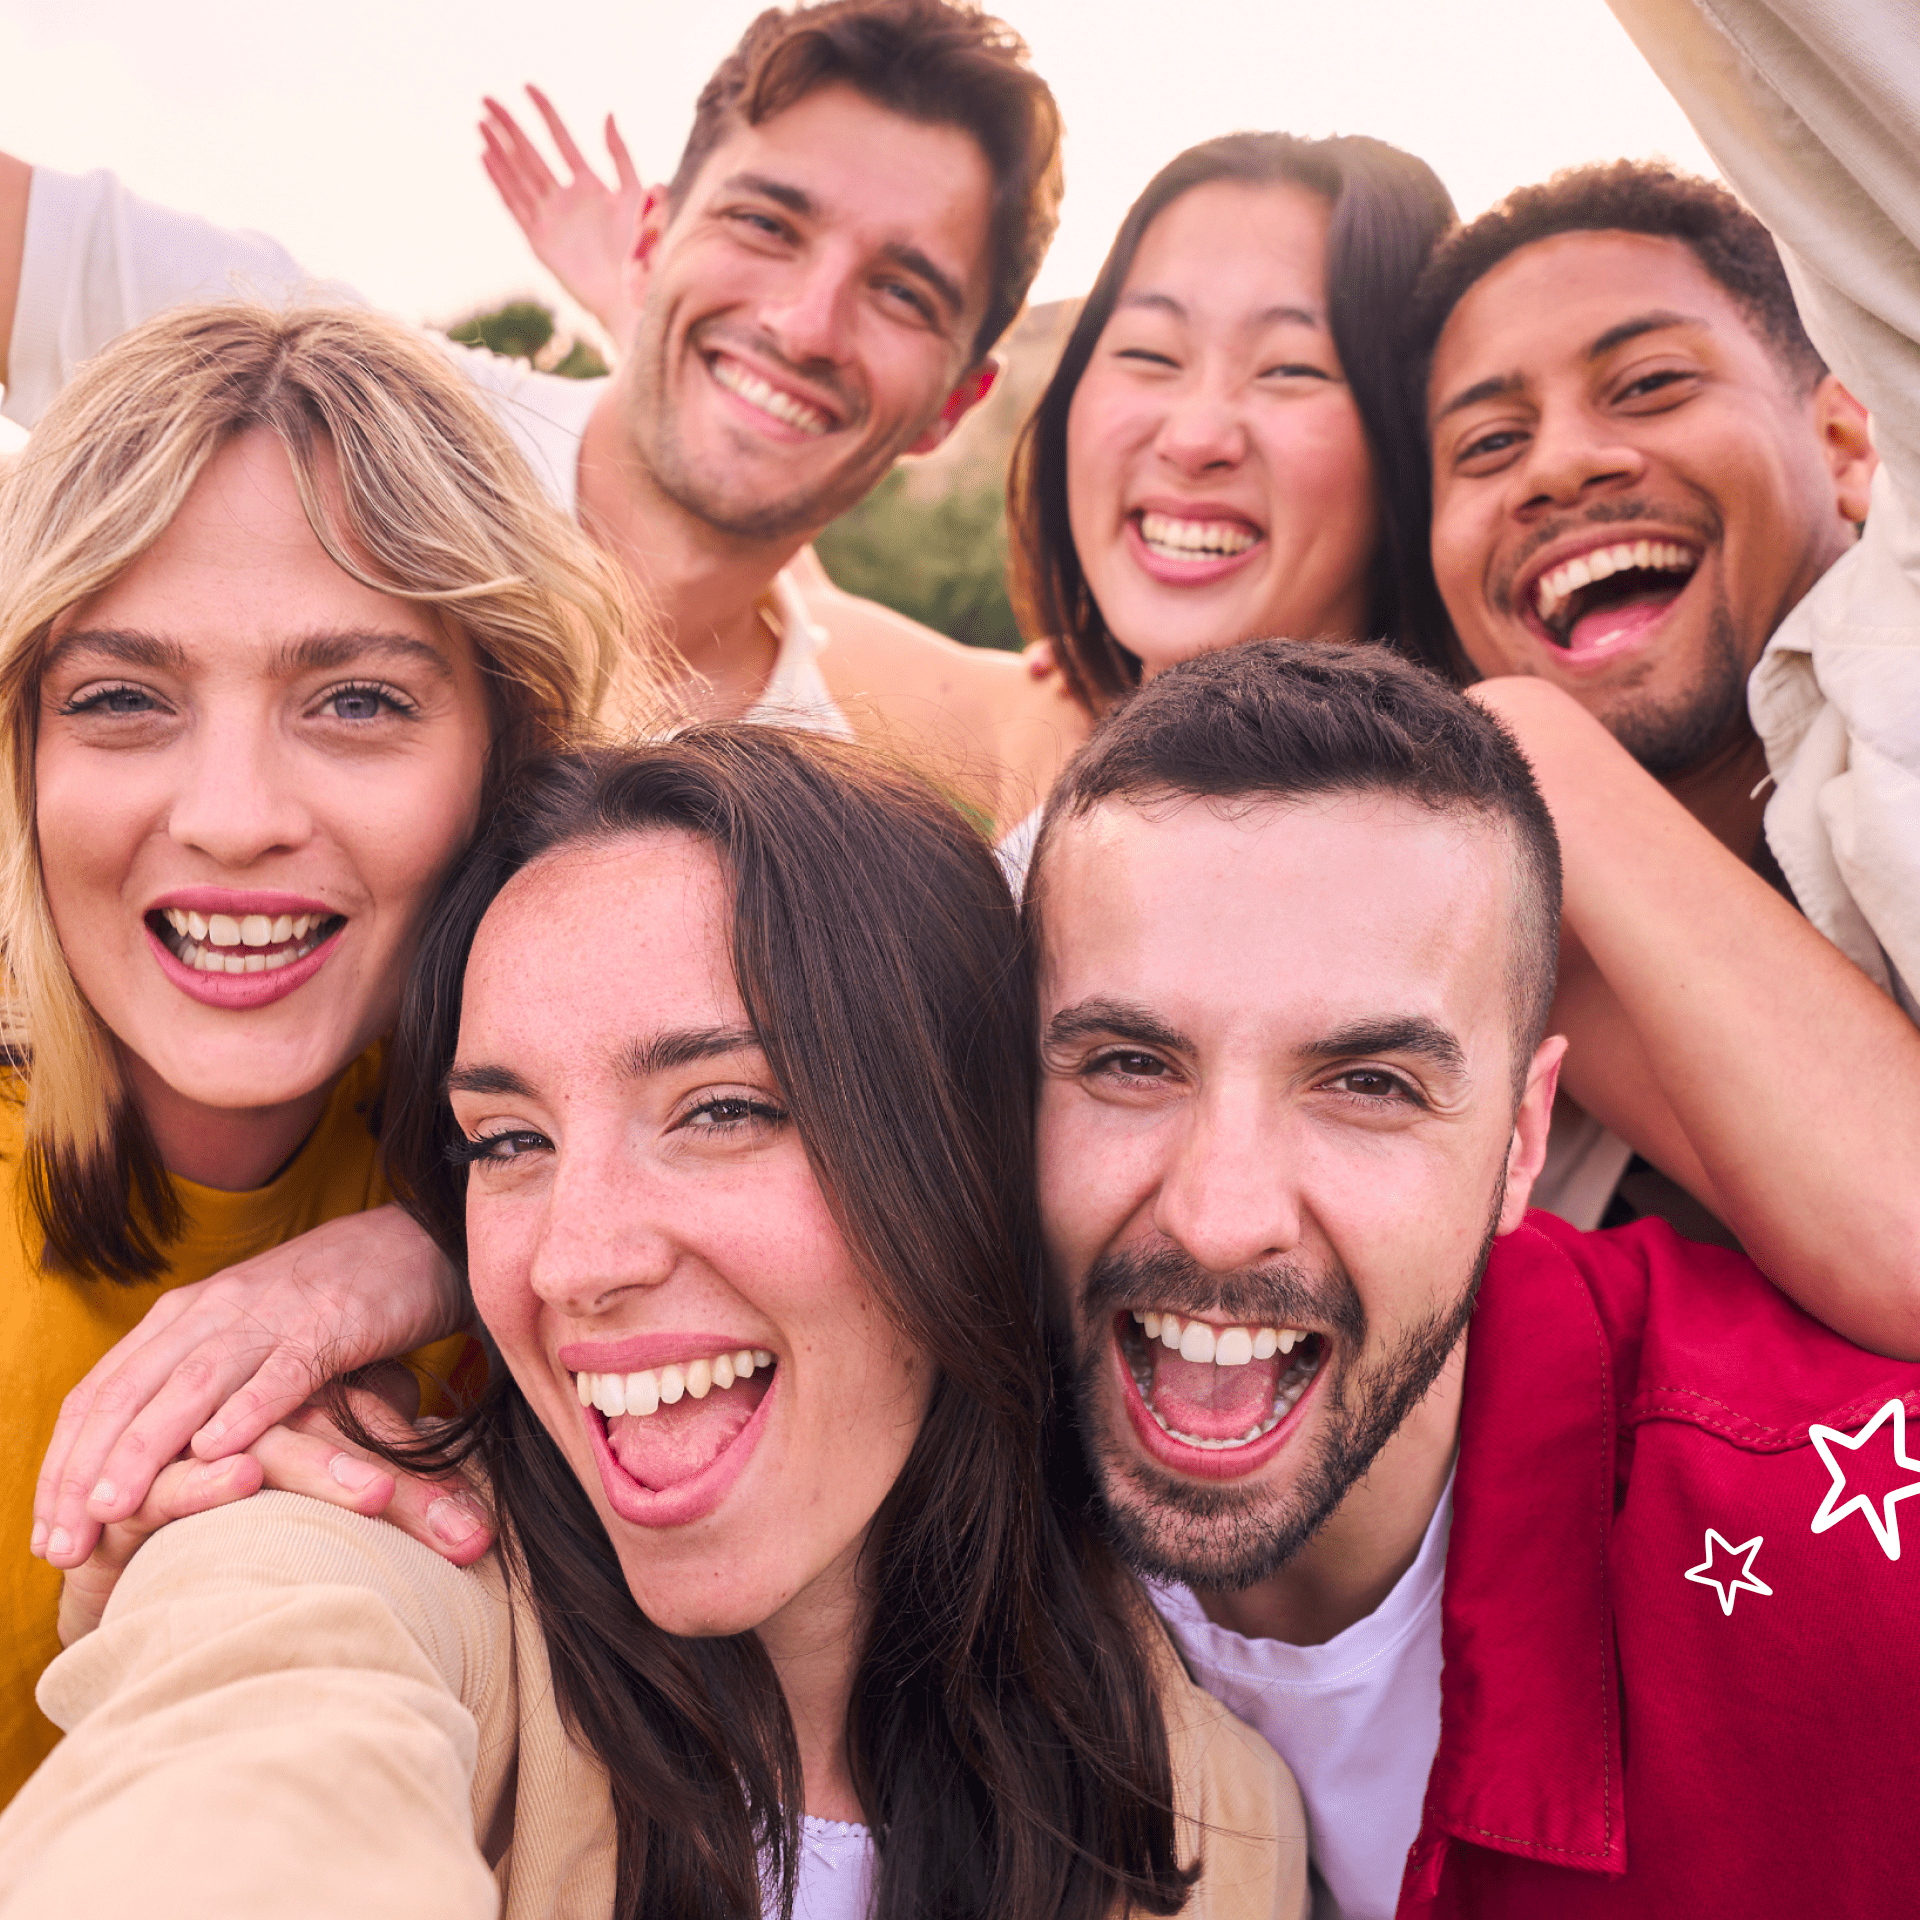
x=1214, y=1387
x=762, y=395
x=666, y=1424
x=1601, y=596
x=248, y=943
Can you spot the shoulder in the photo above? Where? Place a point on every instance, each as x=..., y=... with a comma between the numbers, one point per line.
x=1002, y=735
x=1239, y=1806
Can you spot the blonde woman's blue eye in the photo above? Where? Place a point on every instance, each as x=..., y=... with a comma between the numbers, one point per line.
x=113, y=700
x=363, y=703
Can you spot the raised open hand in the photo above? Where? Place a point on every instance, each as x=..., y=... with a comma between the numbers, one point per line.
x=582, y=229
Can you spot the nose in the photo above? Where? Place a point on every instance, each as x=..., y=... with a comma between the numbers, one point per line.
x=1573, y=455
x=240, y=796
x=1230, y=1196
x=809, y=313
x=1203, y=432
x=604, y=1233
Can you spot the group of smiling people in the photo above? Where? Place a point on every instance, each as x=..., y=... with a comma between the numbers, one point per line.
x=612, y=1309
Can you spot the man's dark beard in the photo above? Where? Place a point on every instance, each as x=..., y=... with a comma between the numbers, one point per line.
x=1212, y=1535
x=1675, y=739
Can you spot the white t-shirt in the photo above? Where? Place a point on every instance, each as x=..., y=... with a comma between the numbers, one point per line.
x=98, y=260
x=1357, y=1720
x=836, y=1871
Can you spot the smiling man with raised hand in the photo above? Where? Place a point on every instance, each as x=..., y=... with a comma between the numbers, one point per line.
x=866, y=193
x=1295, y=916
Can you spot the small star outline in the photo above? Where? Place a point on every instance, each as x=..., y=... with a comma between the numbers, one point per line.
x=1745, y=1581
x=1882, y=1519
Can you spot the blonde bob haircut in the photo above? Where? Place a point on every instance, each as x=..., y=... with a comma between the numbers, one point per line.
x=412, y=488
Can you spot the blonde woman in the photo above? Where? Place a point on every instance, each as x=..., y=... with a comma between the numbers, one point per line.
x=281, y=612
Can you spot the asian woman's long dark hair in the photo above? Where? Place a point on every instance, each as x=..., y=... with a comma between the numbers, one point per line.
x=1388, y=211
x=1005, y=1737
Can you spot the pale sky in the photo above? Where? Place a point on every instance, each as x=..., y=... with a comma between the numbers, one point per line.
x=346, y=128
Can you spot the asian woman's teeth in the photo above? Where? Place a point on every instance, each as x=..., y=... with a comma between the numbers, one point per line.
x=647, y=1392
x=1202, y=1343
x=251, y=943
x=769, y=399
x=1174, y=539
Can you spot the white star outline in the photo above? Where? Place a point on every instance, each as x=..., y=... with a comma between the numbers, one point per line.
x=1883, y=1520
x=1746, y=1580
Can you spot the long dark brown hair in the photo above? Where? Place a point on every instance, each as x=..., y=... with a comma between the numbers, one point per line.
x=1388, y=210
x=1005, y=1737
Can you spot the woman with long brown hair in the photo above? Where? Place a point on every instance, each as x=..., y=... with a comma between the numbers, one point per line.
x=716, y=1073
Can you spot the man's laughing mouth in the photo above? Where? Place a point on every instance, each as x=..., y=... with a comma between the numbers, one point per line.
x=1602, y=598
x=1211, y=1400
x=777, y=403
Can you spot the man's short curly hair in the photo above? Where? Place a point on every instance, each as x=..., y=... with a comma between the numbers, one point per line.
x=1628, y=196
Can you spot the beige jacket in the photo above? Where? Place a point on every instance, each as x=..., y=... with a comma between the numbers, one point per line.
x=291, y=1710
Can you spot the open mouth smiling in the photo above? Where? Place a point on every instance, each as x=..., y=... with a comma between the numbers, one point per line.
x=1594, y=601
x=764, y=397
x=1213, y=1400
x=244, y=943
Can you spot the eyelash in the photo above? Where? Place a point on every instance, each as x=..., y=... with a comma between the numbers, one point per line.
x=389, y=697
x=762, y=1112
x=93, y=702
x=481, y=1147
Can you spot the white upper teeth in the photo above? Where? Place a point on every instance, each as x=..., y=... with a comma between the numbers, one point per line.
x=1164, y=533
x=769, y=398
x=646, y=1392
x=208, y=942
x=1201, y=1341
x=1554, y=587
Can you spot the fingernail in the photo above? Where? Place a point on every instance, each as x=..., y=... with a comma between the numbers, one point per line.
x=39, y=1542
x=59, y=1541
x=213, y=1432
x=353, y=1473
x=453, y=1520
x=105, y=1493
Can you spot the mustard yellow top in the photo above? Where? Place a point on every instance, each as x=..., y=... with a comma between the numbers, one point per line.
x=53, y=1328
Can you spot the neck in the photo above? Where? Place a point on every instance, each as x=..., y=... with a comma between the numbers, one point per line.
x=703, y=585
x=1365, y=1548
x=1720, y=793
x=232, y=1148
x=814, y=1642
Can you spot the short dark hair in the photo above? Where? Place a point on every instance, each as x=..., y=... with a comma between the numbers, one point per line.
x=1291, y=719
x=936, y=61
x=1388, y=210
x=1629, y=196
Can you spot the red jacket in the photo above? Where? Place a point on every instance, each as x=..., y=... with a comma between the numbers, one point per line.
x=1682, y=1665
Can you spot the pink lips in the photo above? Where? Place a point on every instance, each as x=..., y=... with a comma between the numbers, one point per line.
x=1200, y=571
x=240, y=992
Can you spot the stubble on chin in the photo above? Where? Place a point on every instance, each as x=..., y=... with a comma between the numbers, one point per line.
x=1678, y=735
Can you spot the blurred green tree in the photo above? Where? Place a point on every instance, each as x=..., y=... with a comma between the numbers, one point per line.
x=525, y=330
x=942, y=561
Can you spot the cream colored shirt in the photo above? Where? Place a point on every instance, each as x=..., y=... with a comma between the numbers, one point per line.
x=296, y=1711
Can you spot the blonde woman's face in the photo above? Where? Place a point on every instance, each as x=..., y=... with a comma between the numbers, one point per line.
x=251, y=773
x=652, y=1250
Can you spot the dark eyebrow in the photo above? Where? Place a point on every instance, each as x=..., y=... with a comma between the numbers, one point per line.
x=1494, y=387
x=1657, y=322
x=324, y=652
x=681, y=1047
x=1404, y=1034
x=125, y=644
x=1119, y=1019
x=488, y=1080
x=781, y=192
x=1271, y=316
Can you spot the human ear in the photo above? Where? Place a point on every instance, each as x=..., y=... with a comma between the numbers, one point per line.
x=1847, y=446
x=1527, y=1153
x=973, y=388
x=647, y=229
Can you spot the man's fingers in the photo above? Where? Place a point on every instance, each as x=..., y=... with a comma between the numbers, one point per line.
x=557, y=127
x=525, y=156
x=324, y=1468
x=624, y=169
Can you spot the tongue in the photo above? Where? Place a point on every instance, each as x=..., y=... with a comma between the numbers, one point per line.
x=663, y=1448
x=1213, y=1403
x=1616, y=618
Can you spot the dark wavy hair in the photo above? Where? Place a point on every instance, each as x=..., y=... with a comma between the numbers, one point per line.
x=1388, y=210
x=935, y=61
x=1005, y=1737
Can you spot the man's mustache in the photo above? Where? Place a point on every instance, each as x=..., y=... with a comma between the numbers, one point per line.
x=1284, y=1294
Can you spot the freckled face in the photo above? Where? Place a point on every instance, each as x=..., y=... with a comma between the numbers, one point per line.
x=1219, y=483
x=1276, y=1112
x=251, y=773
x=641, y=1209
x=807, y=311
